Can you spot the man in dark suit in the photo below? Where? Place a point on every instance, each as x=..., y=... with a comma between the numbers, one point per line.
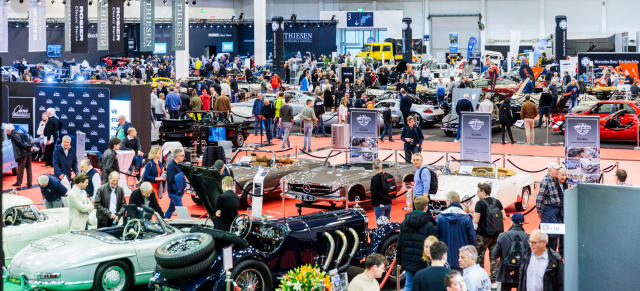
x=233, y=83
x=226, y=208
x=145, y=196
x=109, y=162
x=108, y=202
x=51, y=133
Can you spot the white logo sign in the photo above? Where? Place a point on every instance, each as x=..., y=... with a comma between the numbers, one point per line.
x=20, y=112
x=100, y=95
x=93, y=102
x=56, y=94
x=49, y=101
x=363, y=120
x=71, y=109
x=563, y=24
x=476, y=124
x=87, y=140
x=101, y=140
x=78, y=117
x=57, y=109
x=585, y=61
x=63, y=116
x=64, y=131
x=71, y=124
x=71, y=94
x=85, y=109
x=78, y=102
x=63, y=101
x=582, y=128
x=274, y=26
x=85, y=94
x=101, y=125
x=93, y=117
x=93, y=132
x=41, y=93
x=100, y=110
x=86, y=125
x=42, y=108
x=93, y=147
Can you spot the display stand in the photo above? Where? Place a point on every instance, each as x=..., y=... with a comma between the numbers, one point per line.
x=258, y=191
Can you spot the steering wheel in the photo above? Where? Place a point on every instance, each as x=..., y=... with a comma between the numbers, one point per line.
x=132, y=230
x=10, y=216
x=241, y=225
x=486, y=173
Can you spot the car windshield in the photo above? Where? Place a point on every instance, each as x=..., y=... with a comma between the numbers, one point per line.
x=469, y=168
x=366, y=48
x=247, y=157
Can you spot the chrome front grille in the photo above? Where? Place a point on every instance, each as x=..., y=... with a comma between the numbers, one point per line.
x=311, y=189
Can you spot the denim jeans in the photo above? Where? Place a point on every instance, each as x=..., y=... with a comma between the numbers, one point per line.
x=384, y=210
x=425, y=80
x=320, y=125
x=307, y=130
x=258, y=126
x=267, y=128
x=544, y=110
x=459, y=125
x=387, y=129
x=286, y=126
x=275, y=129
x=572, y=103
x=383, y=87
x=52, y=204
x=408, y=281
x=409, y=153
x=176, y=200
x=137, y=160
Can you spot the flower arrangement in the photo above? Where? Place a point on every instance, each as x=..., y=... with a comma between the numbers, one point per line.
x=305, y=278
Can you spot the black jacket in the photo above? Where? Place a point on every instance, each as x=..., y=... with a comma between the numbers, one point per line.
x=138, y=200
x=415, y=228
x=318, y=106
x=379, y=195
x=500, y=251
x=505, y=116
x=137, y=73
x=162, y=73
x=149, y=73
x=269, y=111
x=384, y=80
x=227, y=203
x=405, y=104
x=401, y=86
x=20, y=149
x=545, y=99
x=233, y=84
x=185, y=102
x=386, y=116
x=131, y=144
x=109, y=163
x=411, y=87
x=463, y=105
x=553, y=279
x=52, y=128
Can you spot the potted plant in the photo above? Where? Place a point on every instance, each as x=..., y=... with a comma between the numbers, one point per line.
x=305, y=278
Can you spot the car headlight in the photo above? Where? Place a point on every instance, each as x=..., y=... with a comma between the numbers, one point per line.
x=334, y=186
x=284, y=185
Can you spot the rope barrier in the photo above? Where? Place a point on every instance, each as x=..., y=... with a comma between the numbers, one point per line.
x=527, y=171
x=496, y=160
x=609, y=169
x=404, y=158
x=240, y=115
x=431, y=164
x=385, y=159
x=317, y=157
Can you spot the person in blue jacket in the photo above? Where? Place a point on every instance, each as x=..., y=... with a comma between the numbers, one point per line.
x=52, y=191
x=412, y=137
x=175, y=182
x=64, y=159
x=455, y=228
x=572, y=92
x=528, y=87
x=257, y=112
x=405, y=105
x=304, y=84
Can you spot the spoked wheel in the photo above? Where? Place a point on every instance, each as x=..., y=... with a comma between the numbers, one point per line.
x=185, y=250
x=252, y=275
x=524, y=203
x=246, y=199
x=388, y=250
x=238, y=140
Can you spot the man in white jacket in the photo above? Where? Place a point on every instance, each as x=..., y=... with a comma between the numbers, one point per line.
x=79, y=203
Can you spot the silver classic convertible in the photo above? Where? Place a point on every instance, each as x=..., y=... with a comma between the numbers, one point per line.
x=110, y=258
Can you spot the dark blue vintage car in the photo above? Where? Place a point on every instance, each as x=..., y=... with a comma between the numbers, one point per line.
x=265, y=249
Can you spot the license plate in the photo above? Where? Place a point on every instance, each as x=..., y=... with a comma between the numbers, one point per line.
x=14, y=280
x=305, y=197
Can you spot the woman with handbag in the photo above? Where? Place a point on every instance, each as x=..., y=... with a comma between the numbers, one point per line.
x=153, y=170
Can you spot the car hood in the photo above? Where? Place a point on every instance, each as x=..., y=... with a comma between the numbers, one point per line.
x=55, y=249
x=465, y=186
x=206, y=183
x=327, y=175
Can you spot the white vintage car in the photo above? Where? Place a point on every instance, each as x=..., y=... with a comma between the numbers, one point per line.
x=463, y=176
x=24, y=223
x=110, y=258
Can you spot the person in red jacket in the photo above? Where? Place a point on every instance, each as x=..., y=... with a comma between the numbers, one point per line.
x=206, y=100
x=276, y=83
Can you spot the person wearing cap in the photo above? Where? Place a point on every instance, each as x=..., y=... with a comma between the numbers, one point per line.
x=549, y=203
x=222, y=169
x=501, y=250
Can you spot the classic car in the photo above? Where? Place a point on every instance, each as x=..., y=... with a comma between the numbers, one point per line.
x=590, y=166
x=301, y=96
x=345, y=182
x=210, y=129
x=156, y=81
x=24, y=223
x=450, y=125
x=10, y=74
x=463, y=176
x=618, y=119
x=263, y=250
x=427, y=115
x=110, y=258
x=503, y=88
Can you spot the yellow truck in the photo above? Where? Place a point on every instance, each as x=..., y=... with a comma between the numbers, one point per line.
x=375, y=49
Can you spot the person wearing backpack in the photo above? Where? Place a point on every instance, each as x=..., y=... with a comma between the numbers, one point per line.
x=488, y=216
x=425, y=181
x=509, y=249
x=383, y=185
x=21, y=152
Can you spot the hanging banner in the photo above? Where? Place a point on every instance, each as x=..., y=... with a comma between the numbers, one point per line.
x=453, y=42
x=561, y=37
x=514, y=43
x=178, y=25
x=632, y=68
x=473, y=43
x=85, y=109
x=79, y=20
x=364, y=134
x=582, y=148
x=604, y=60
x=116, y=25
x=277, y=26
x=4, y=27
x=147, y=25
x=475, y=136
x=538, y=48
x=37, y=26
x=407, y=38
x=103, y=27
x=67, y=26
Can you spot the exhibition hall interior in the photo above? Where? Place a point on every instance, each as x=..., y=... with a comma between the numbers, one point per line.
x=417, y=145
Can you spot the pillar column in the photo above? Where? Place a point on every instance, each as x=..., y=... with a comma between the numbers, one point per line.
x=182, y=56
x=260, y=32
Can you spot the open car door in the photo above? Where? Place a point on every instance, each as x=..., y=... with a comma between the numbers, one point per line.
x=206, y=182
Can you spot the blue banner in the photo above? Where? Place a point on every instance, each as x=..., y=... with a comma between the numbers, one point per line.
x=538, y=48
x=84, y=109
x=475, y=136
x=473, y=43
x=453, y=42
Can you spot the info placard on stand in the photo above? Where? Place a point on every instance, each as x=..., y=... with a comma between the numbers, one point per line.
x=475, y=136
x=582, y=149
x=258, y=191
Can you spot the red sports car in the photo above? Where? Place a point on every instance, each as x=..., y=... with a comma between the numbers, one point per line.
x=618, y=119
